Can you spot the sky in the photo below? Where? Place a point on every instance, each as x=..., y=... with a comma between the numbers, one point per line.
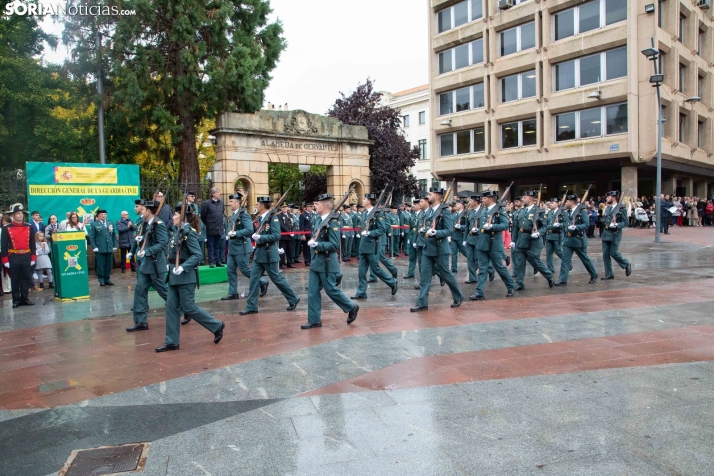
x=335, y=45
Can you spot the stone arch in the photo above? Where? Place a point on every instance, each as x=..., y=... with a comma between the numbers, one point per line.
x=357, y=193
x=243, y=183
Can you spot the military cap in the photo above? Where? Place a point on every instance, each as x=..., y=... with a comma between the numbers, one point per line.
x=346, y=207
x=324, y=196
x=151, y=203
x=393, y=206
x=235, y=196
x=416, y=201
x=370, y=196
x=437, y=190
x=187, y=211
x=408, y=205
x=529, y=193
x=16, y=207
x=193, y=194
x=572, y=197
x=360, y=206
x=555, y=200
x=476, y=197
x=490, y=193
x=139, y=201
x=614, y=193
x=101, y=210
x=423, y=195
x=265, y=199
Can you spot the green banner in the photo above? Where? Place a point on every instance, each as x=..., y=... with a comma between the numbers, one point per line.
x=57, y=188
x=69, y=265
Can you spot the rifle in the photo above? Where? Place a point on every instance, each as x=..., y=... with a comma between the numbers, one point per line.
x=538, y=211
x=614, y=213
x=335, y=213
x=241, y=209
x=375, y=209
x=576, y=210
x=181, y=221
x=561, y=205
x=501, y=202
x=440, y=210
x=274, y=211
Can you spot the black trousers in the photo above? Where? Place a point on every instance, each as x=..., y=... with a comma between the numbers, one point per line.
x=305, y=252
x=20, y=276
x=286, y=257
x=122, y=259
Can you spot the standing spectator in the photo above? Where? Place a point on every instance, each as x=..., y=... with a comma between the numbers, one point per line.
x=700, y=211
x=164, y=214
x=664, y=214
x=286, y=236
x=36, y=223
x=212, y=217
x=6, y=287
x=73, y=223
x=103, y=239
x=306, y=225
x=692, y=212
x=592, y=215
x=17, y=252
x=601, y=218
x=677, y=204
x=708, y=212
x=126, y=229
x=44, y=264
x=51, y=228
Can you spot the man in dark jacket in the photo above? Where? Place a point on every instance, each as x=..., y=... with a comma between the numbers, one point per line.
x=286, y=229
x=212, y=217
x=665, y=214
x=126, y=228
x=306, y=225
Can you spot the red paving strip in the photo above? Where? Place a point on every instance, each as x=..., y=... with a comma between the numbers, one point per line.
x=69, y=362
x=689, y=344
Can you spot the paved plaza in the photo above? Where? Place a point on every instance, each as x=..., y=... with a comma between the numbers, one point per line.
x=615, y=378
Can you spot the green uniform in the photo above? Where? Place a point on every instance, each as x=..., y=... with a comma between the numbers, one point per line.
x=151, y=269
x=489, y=248
x=553, y=238
x=528, y=248
x=239, y=249
x=611, y=237
x=457, y=239
x=139, y=232
x=576, y=241
x=394, y=242
x=370, y=249
x=435, y=257
x=324, y=268
x=411, y=236
x=297, y=239
x=182, y=287
x=103, y=238
x=266, y=259
x=357, y=225
x=345, y=223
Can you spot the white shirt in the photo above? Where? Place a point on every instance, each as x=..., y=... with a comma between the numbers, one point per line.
x=322, y=217
x=489, y=208
x=435, y=206
x=236, y=211
x=369, y=209
x=262, y=217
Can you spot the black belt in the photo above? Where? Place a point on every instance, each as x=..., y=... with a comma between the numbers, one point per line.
x=325, y=252
x=265, y=245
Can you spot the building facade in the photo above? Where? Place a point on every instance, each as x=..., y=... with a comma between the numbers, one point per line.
x=557, y=94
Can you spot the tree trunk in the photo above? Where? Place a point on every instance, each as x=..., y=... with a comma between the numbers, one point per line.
x=189, y=172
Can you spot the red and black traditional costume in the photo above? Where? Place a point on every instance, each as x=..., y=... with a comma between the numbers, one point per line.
x=18, y=249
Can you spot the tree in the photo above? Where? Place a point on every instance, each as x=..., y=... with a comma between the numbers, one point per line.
x=281, y=177
x=177, y=62
x=315, y=183
x=390, y=157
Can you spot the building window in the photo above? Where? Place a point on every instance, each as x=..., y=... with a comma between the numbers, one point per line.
x=587, y=17
x=700, y=85
x=462, y=142
x=682, y=27
x=587, y=123
x=422, y=117
x=459, y=14
x=518, y=134
x=405, y=121
x=591, y=69
x=518, y=86
x=682, y=76
x=662, y=56
x=517, y=39
x=660, y=16
x=422, y=149
x=435, y=183
x=700, y=133
x=471, y=97
x=701, y=41
x=461, y=56
x=422, y=185
x=682, y=122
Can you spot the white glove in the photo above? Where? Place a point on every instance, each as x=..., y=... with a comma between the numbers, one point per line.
x=178, y=270
x=96, y=250
x=389, y=234
x=312, y=243
x=114, y=249
x=422, y=230
x=431, y=232
x=138, y=239
x=7, y=265
x=556, y=225
x=231, y=233
x=414, y=245
x=487, y=226
x=167, y=267
x=32, y=263
x=255, y=237
x=292, y=234
x=513, y=245
x=141, y=253
x=402, y=233
x=535, y=235
x=571, y=227
x=474, y=230
x=205, y=240
x=343, y=236
x=281, y=251
x=129, y=255
x=457, y=226
x=365, y=233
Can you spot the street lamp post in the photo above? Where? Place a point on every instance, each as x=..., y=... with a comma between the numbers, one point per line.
x=656, y=80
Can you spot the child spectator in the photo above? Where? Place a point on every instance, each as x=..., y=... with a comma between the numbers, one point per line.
x=43, y=266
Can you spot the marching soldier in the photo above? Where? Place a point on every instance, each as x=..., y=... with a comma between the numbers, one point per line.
x=151, y=264
x=554, y=234
x=420, y=240
x=411, y=235
x=139, y=210
x=286, y=239
x=370, y=248
x=18, y=254
x=491, y=224
x=471, y=239
x=103, y=238
x=611, y=236
x=457, y=236
x=385, y=242
x=528, y=226
x=575, y=241
x=297, y=238
x=324, y=267
x=183, y=279
x=356, y=215
x=266, y=258
x=435, y=255
x=347, y=233
x=238, y=232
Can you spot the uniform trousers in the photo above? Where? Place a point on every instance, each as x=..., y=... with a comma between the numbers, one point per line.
x=552, y=247
x=520, y=256
x=457, y=246
x=414, y=255
x=494, y=259
x=568, y=259
x=105, y=261
x=611, y=249
x=384, y=261
x=369, y=261
x=327, y=281
x=440, y=265
x=278, y=279
x=181, y=298
x=20, y=276
x=141, y=293
x=285, y=243
x=238, y=263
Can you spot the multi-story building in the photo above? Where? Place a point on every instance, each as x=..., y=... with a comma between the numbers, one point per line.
x=557, y=93
x=413, y=105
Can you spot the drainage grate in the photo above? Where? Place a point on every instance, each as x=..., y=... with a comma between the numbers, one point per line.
x=106, y=460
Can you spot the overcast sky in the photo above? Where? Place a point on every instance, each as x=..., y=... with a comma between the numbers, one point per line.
x=334, y=45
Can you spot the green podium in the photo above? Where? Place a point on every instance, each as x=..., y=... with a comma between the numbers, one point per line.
x=69, y=266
